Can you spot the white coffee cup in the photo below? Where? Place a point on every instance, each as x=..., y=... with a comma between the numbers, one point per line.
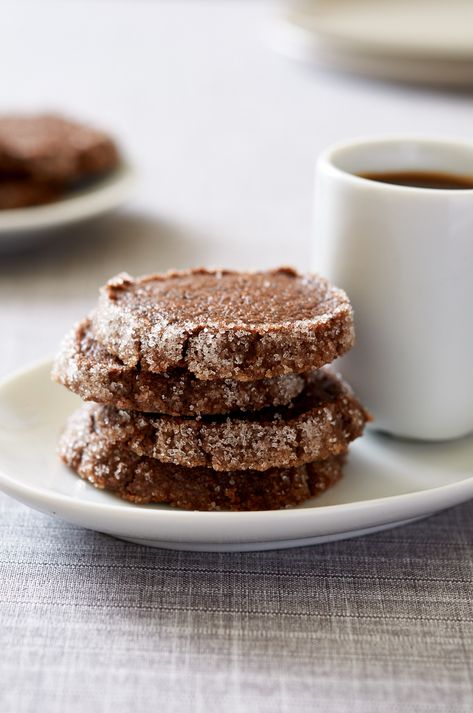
x=404, y=255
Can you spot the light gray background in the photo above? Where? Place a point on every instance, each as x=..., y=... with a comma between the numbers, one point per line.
x=224, y=134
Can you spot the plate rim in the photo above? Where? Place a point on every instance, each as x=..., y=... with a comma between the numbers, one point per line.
x=9, y=484
x=109, y=192
x=291, y=18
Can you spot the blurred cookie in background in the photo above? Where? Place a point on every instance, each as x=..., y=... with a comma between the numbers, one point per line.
x=21, y=193
x=42, y=156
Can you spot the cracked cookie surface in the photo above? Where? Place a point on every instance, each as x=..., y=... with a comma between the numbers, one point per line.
x=224, y=324
x=85, y=367
x=85, y=447
x=319, y=423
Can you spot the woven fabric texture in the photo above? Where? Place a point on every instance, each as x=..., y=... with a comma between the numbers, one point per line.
x=90, y=624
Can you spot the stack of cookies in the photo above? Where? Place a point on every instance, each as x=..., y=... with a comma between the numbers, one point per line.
x=210, y=391
x=43, y=156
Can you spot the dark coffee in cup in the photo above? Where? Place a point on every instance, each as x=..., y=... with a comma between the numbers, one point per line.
x=422, y=179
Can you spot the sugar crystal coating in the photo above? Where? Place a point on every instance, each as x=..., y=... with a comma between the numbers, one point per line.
x=84, y=366
x=319, y=423
x=223, y=324
x=87, y=450
x=210, y=390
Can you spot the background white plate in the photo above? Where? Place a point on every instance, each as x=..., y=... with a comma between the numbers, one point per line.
x=386, y=482
x=94, y=199
x=406, y=40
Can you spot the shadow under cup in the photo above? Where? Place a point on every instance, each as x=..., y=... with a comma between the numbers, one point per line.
x=405, y=257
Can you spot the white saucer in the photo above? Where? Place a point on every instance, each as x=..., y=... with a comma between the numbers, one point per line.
x=95, y=199
x=386, y=483
x=404, y=40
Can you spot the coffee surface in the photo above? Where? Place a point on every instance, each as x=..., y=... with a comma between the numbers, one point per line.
x=423, y=179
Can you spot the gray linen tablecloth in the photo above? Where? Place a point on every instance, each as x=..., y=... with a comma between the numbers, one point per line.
x=89, y=624
x=224, y=133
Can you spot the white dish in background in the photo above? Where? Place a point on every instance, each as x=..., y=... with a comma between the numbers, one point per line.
x=94, y=199
x=404, y=40
x=386, y=483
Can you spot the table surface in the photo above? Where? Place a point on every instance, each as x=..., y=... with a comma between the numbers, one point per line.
x=224, y=133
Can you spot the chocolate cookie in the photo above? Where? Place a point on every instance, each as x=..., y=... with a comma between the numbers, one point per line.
x=223, y=324
x=25, y=193
x=53, y=149
x=85, y=448
x=318, y=424
x=85, y=367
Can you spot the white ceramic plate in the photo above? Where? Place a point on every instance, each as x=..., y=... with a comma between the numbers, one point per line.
x=406, y=40
x=386, y=483
x=97, y=198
